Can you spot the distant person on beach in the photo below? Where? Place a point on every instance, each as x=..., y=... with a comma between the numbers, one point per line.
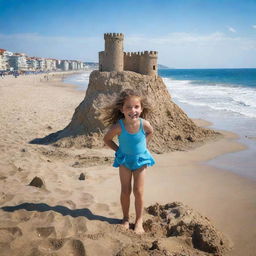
x=132, y=156
x=16, y=74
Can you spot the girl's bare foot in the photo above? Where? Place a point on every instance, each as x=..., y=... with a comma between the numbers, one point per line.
x=125, y=223
x=139, y=227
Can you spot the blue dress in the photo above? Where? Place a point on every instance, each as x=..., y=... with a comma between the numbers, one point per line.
x=132, y=151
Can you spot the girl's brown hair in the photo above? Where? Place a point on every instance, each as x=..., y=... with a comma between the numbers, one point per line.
x=113, y=112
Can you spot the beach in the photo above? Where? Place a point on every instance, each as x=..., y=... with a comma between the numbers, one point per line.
x=85, y=213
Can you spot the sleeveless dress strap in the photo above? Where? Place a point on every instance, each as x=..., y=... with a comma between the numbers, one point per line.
x=141, y=126
x=121, y=124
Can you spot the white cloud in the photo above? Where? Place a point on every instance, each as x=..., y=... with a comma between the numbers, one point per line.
x=188, y=39
x=231, y=29
x=186, y=50
x=254, y=26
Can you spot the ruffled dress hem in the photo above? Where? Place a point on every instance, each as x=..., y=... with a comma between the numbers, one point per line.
x=133, y=162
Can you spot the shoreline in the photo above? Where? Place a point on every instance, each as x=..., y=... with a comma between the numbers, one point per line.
x=242, y=163
x=40, y=77
x=178, y=176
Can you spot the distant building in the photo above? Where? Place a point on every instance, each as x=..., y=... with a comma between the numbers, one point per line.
x=41, y=64
x=32, y=63
x=64, y=65
x=73, y=65
x=80, y=65
x=21, y=62
x=18, y=61
x=115, y=59
x=58, y=64
x=48, y=64
x=4, y=59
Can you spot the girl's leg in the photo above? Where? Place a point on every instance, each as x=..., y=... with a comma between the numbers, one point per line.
x=138, y=190
x=126, y=188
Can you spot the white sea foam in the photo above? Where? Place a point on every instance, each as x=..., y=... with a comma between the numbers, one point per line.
x=236, y=99
x=79, y=79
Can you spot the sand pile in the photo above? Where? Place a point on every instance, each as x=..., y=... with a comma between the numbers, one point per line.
x=172, y=229
x=173, y=129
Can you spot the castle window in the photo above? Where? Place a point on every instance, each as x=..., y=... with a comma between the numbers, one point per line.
x=154, y=67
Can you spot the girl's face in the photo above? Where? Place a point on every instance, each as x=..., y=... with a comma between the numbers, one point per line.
x=132, y=108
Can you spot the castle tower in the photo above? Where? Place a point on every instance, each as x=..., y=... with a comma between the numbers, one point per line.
x=112, y=59
x=148, y=63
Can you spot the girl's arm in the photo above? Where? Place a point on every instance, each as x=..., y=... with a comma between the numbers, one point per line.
x=148, y=129
x=108, y=138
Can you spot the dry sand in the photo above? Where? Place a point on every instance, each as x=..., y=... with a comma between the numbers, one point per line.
x=68, y=216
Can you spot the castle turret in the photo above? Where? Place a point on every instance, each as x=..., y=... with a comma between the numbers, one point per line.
x=148, y=63
x=112, y=59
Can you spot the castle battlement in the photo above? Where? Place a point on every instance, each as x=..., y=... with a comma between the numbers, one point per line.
x=145, y=53
x=115, y=59
x=113, y=36
x=150, y=53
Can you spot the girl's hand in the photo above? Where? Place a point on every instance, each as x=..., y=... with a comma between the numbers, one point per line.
x=112, y=132
x=148, y=129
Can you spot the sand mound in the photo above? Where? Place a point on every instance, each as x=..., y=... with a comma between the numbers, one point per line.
x=171, y=230
x=173, y=129
x=178, y=220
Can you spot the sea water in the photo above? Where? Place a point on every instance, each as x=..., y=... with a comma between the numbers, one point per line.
x=225, y=97
x=80, y=80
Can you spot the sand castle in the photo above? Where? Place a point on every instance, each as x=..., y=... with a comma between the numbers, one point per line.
x=174, y=130
x=115, y=59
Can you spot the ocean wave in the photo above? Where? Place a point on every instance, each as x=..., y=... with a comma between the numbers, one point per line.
x=79, y=79
x=230, y=98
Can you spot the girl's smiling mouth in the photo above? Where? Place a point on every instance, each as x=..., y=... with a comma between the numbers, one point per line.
x=133, y=116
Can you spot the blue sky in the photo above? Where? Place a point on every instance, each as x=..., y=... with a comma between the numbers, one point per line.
x=186, y=33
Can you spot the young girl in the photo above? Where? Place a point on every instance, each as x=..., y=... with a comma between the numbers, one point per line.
x=132, y=156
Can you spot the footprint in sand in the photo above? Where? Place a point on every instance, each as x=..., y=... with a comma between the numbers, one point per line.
x=80, y=225
x=53, y=153
x=102, y=207
x=2, y=177
x=63, y=192
x=5, y=197
x=24, y=177
x=73, y=247
x=21, y=215
x=89, y=161
x=63, y=247
x=7, y=235
x=115, y=204
x=52, y=244
x=67, y=203
x=40, y=219
x=46, y=231
x=86, y=199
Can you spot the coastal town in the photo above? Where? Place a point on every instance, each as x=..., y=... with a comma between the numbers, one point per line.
x=20, y=63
